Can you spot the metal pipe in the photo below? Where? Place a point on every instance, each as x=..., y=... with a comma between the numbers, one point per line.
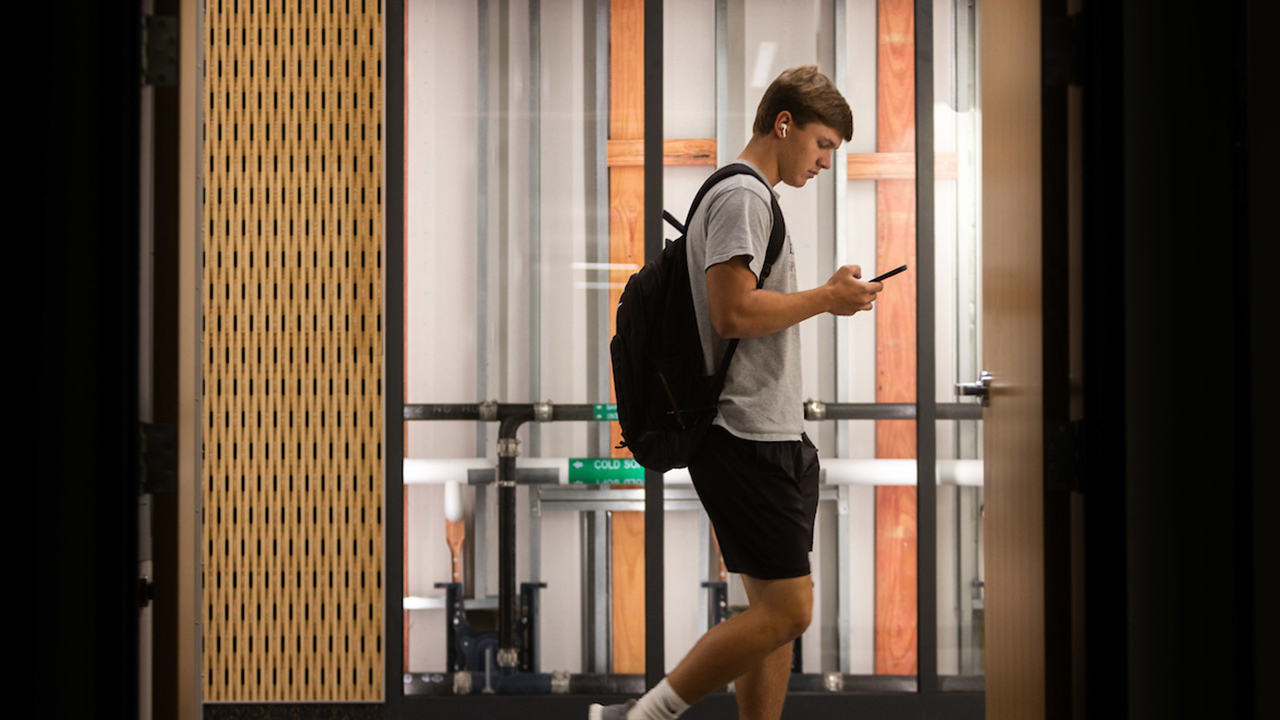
x=508, y=449
x=482, y=212
x=512, y=415
x=814, y=410
x=534, y=316
x=817, y=410
x=442, y=412
x=444, y=684
x=527, y=684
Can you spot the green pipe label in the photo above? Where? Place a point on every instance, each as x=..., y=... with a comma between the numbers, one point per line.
x=609, y=471
x=606, y=412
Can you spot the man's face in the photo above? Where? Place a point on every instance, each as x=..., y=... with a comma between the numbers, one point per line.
x=806, y=152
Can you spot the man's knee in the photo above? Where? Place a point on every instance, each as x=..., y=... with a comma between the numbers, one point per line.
x=798, y=616
x=790, y=602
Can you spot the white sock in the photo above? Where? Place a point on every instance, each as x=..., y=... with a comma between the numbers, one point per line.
x=660, y=703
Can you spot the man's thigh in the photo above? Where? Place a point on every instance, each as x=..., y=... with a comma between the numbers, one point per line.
x=796, y=591
x=761, y=498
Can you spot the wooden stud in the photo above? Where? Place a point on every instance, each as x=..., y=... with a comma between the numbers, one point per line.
x=630, y=153
x=626, y=247
x=897, y=166
x=896, y=602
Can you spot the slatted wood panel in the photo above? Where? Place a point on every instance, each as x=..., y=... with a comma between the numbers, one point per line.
x=896, y=603
x=292, y=533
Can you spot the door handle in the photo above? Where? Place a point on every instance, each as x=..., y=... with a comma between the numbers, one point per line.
x=978, y=389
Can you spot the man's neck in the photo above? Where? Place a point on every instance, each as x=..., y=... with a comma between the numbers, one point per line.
x=760, y=151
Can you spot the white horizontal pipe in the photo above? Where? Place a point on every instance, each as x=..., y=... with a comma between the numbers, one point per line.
x=424, y=603
x=839, y=471
x=439, y=470
x=437, y=602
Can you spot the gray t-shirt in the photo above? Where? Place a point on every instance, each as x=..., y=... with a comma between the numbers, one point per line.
x=762, y=392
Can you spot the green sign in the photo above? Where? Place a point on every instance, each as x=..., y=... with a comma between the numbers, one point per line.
x=606, y=412
x=607, y=471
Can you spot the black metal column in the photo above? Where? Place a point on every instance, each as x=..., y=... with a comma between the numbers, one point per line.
x=653, y=482
x=393, y=104
x=926, y=363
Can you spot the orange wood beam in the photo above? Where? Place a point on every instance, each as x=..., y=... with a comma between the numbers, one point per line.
x=895, y=649
x=896, y=602
x=630, y=153
x=898, y=166
x=627, y=552
x=626, y=247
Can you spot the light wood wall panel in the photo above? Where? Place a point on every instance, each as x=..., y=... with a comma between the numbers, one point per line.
x=292, y=351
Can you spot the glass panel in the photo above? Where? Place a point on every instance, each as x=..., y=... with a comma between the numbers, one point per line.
x=832, y=221
x=958, y=307
x=960, y=559
x=876, y=352
x=509, y=297
x=689, y=116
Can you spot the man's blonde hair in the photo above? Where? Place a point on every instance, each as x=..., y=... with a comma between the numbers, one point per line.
x=808, y=95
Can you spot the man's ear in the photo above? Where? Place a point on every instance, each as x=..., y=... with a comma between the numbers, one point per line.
x=782, y=123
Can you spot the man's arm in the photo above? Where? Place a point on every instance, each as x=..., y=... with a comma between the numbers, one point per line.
x=739, y=310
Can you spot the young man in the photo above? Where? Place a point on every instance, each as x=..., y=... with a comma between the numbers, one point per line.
x=756, y=471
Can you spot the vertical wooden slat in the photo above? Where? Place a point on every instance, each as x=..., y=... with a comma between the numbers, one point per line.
x=626, y=247
x=291, y=352
x=896, y=608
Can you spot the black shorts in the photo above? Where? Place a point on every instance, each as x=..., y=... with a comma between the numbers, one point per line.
x=762, y=498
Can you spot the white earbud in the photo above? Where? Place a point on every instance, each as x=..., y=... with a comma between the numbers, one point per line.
x=784, y=129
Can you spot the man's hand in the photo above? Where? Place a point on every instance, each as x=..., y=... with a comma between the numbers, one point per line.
x=848, y=293
x=740, y=310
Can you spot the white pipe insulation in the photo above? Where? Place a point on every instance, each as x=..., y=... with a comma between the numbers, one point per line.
x=839, y=471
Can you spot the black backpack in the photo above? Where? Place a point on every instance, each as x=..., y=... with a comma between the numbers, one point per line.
x=665, y=403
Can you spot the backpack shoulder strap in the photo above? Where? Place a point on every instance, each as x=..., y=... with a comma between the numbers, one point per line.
x=777, y=235
x=725, y=172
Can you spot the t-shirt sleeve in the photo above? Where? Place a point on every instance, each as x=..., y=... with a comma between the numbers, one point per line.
x=738, y=223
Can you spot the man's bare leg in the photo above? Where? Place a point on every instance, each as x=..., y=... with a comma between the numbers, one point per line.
x=762, y=690
x=750, y=644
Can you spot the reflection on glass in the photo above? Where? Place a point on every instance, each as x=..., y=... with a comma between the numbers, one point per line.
x=957, y=244
x=960, y=568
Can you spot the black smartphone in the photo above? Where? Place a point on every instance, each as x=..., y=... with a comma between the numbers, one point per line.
x=889, y=274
